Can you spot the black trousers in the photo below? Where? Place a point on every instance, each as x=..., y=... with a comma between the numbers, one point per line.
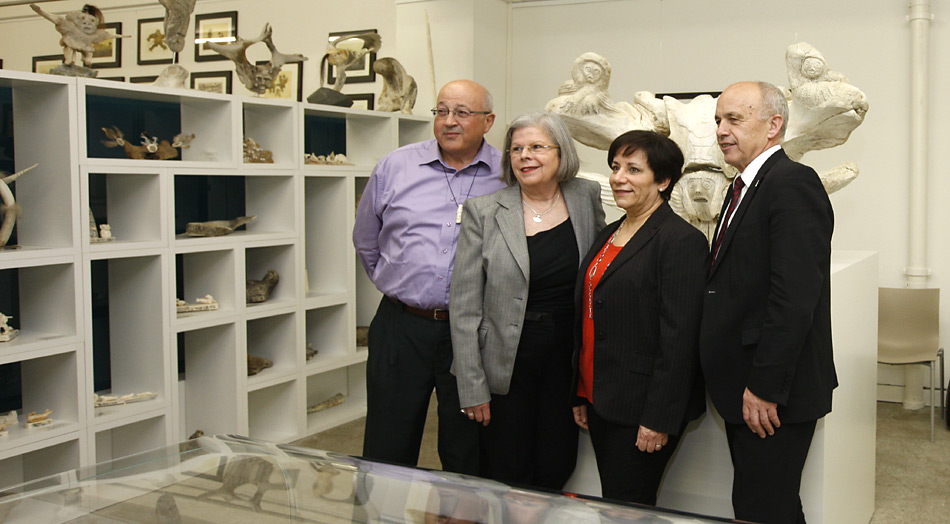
x=532, y=437
x=768, y=472
x=409, y=356
x=626, y=473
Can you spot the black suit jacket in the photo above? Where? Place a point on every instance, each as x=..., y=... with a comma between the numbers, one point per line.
x=767, y=307
x=646, y=311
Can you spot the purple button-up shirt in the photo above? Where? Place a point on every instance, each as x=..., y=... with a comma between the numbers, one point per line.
x=405, y=232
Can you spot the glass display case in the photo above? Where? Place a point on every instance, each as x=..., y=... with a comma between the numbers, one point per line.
x=236, y=480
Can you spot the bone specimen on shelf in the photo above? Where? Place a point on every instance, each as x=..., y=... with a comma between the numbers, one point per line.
x=216, y=228
x=259, y=290
x=333, y=159
x=257, y=78
x=257, y=364
x=205, y=303
x=150, y=148
x=255, y=154
x=335, y=400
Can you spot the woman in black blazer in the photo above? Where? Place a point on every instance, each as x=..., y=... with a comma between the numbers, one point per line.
x=639, y=301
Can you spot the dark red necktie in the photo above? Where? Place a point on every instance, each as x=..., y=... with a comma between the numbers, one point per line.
x=736, y=191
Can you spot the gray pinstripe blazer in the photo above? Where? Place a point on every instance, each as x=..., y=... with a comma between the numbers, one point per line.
x=490, y=283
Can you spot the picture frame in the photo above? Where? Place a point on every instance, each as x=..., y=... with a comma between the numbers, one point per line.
x=43, y=64
x=363, y=101
x=212, y=81
x=113, y=78
x=143, y=79
x=222, y=26
x=151, y=43
x=688, y=95
x=288, y=84
x=359, y=73
x=108, y=53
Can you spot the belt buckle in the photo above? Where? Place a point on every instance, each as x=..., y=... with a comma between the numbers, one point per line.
x=435, y=313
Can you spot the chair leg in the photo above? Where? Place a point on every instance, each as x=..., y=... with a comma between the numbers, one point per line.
x=933, y=379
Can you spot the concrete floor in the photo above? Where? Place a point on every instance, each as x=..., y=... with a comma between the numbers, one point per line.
x=913, y=475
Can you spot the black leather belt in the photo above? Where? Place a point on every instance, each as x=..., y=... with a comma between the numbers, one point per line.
x=434, y=314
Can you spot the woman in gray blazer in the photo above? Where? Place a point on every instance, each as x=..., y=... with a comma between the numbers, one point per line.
x=511, y=304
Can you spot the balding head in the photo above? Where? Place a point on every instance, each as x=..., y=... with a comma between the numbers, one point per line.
x=461, y=138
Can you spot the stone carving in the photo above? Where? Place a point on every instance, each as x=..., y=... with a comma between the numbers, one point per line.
x=362, y=336
x=9, y=209
x=216, y=228
x=345, y=52
x=335, y=400
x=245, y=470
x=310, y=352
x=79, y=30
x=255, y=154
x=36, y=420
x=592, y=117
x=173, y=76
x=259, y=290
x=197, y=434
x=823, y=111
x=150, y=148
x=7, y=333
x=105, y=233
x=257, y=364
x=205, y=303
x=333, y=159
x=10, y=419
x=399, y=89
x=257, y=78
x=101, y=401
x=177, y=18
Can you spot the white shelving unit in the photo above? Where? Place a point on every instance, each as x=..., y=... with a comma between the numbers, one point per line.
x=92, y=313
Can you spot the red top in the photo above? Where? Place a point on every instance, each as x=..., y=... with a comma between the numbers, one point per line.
x=585, y=361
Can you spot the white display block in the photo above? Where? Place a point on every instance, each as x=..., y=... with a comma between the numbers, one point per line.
x=274, y=338
x=271, y=412
x=350, y=381
x=838, y=480
x=212, y=367
x=129, y=439
x=328, y=219
x=271, y=123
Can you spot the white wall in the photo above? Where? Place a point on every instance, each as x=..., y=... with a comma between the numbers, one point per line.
x=688, y=46
x=300, y=26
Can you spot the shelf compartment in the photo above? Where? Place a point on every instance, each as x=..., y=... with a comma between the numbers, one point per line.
x=272, y=126
x=43, y=125
x=328, y=331
x=328, y=224
x=364, y=136
x=258, y=261
x=127, y=334
x=272, y=412
x=200, y=198
x=49, y=458
x=130, y=203
x=211, y=379
x=350, y=381
x=129, y=439
x=203, y=273
x=26, y=294
x=162, y=112
x=42, y=383
x=414, y=129
x=274, y=338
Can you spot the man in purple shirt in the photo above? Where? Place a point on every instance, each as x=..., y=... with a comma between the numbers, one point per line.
x=407, y=225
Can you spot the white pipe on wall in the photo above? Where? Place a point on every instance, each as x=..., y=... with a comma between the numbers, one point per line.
x=917, y=272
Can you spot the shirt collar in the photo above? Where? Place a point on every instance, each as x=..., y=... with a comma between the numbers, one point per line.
x=434, y=154
x=751, y=170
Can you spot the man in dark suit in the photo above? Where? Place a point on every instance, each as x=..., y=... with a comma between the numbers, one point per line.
x=765, y=340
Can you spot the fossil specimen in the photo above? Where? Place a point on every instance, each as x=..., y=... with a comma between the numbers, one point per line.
x=257, y=364
x=216, y=228
x=259, y=290
x=257, y=78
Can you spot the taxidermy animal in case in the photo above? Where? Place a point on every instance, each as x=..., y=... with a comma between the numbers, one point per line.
x=216, y=228
x=151, y=148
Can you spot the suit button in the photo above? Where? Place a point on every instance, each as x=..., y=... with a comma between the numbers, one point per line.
x=600, y=335
x=599, y=304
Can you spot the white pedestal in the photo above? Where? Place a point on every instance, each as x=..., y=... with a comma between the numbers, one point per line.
x=838, y=481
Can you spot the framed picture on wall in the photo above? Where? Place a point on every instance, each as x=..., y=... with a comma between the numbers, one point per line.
x=359, y=73
x=362, y=101
x=113, y=78
x=108, y=53
x=42, y=64
x=288, y=84
x=214, y=27
x=212, y=81
x=152, y=48
x=689, y=95
x=142, y=79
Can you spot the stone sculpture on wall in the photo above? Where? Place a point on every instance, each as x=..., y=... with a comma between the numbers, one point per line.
x=824, y=108
x=399, y=89
x=177, y=18
x=257, y=78
x=342, y=53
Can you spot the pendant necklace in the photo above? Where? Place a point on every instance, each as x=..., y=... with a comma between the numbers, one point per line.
x=458, y=213
x=593, y=270
x=537, y=216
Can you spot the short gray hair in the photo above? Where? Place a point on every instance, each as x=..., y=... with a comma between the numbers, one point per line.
x=773, y=103
x=555, y=129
